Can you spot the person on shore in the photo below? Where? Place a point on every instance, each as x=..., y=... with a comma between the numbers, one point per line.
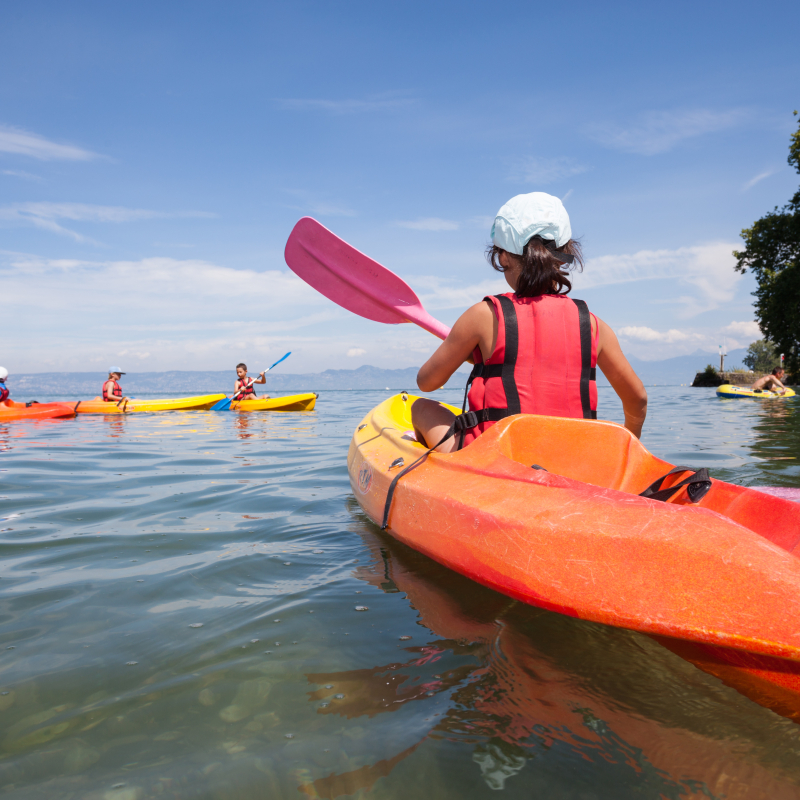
x=112, y=391
x=771, y=382
x=534, y=349
x=3, y=388
x=243, y=387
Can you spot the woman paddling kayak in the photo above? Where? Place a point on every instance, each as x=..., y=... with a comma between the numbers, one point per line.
x=535, y=349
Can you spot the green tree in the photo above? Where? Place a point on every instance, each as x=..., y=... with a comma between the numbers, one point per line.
x=772, y=253
x=762, y=356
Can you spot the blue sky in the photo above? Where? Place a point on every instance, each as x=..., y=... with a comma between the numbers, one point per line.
x=155, y=156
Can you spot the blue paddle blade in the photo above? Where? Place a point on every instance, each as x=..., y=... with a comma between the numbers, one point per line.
x=222, y=405
x=282, y=358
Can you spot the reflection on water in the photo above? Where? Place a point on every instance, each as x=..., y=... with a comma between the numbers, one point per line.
x=178, y=618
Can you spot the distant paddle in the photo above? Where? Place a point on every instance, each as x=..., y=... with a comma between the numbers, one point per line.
x=225, y=405
x=353, y=280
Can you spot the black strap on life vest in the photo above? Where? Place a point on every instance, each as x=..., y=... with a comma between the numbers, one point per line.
x=697, y=485
x=588, y=373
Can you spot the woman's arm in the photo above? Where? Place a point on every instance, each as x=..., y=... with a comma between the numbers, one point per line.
x=469, y=331
x=622, y=378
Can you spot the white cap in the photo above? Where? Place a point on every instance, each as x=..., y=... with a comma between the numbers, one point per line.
x=3, y=373
x=529, y=215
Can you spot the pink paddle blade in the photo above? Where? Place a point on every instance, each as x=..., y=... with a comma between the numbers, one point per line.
x=353, y=280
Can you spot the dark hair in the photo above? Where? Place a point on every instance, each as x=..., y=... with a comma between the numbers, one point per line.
x=777, y=370
x=542, y=272
x=243, y=366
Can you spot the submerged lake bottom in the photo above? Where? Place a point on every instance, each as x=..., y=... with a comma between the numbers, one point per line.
x=193, y=605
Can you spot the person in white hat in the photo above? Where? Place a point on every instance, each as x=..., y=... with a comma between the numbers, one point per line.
x=112, y=391
x=535, y=350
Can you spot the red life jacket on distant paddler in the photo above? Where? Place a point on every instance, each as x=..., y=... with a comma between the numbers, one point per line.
x=246, y=392
x=116, y=392
x=544, y=362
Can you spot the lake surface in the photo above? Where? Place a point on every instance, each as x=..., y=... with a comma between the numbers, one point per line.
x=179, y=618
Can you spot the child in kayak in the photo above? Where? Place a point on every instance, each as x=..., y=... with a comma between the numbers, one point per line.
x=3, y=388
x=112, y=391
x=243, y=388
x=771, y=382
x=535, y=349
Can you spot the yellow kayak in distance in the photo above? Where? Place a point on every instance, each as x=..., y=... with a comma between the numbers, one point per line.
x=292, y=402
x=100, y=406
x=728, y=390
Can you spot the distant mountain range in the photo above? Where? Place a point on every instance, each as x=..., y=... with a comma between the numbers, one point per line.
x=671, y=371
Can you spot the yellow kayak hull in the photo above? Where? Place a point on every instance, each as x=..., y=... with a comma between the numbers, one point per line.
x=98, y=406
x=728, y=390
x=292, y=402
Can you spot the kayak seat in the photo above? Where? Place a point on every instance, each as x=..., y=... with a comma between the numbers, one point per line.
x=599, y=453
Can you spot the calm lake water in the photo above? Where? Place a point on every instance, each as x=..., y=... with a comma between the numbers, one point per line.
x=179, y=618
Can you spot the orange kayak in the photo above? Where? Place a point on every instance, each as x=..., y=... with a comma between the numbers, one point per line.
x=718, y=580
x=9, y=410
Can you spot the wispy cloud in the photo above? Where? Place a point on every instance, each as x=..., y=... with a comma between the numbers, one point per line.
x=659, y=131
x=46, y=215
x=707, y=268
x=310, y=203
x=354, y=352
x=758, y=178
x=542, y=171
x=26, y=176
x=429, y=224
x=18, y=141
x=641, y=333
x=348, y=106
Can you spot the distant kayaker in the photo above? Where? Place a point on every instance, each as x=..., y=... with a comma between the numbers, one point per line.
x=112, y=391
x=3, y=388
x=243, y=388
x=535, y=349
x=771, y=382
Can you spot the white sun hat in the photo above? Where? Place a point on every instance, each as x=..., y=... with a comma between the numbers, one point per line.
x=529, y=215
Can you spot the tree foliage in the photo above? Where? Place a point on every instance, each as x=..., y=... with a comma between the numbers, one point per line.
x=762, y=356
x=772, y=253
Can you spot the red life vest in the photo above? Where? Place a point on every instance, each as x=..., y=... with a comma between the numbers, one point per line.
x=3, y=393
x=116, y=392
x=543, y=363
x=244, y=392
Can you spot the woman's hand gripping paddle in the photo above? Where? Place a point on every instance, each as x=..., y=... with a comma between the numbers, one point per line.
x=225, y=405
x=353, y=280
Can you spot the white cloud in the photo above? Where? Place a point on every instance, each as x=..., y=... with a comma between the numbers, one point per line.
x=545, y=170
x=644, y=334
x=353, y=352
x=707, y=268
x=435, y=294
x=660, y=131
x=163, y=294
x=15, y=140
x=429, y=224
x=44, y=215
x=745, y=329
x=760, y=177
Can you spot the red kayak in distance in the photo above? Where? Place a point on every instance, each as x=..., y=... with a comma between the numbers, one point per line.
x=15, y=412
